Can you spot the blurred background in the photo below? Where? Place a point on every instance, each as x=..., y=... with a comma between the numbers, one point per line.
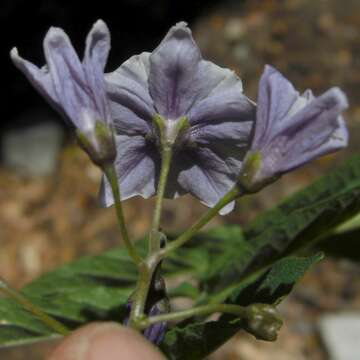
x=48, y=187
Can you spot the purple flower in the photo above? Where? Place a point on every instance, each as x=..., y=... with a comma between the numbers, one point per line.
x=75, y=89
x=291, y=129
x=176, y=83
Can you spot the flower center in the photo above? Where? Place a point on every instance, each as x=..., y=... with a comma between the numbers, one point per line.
x=169, y=133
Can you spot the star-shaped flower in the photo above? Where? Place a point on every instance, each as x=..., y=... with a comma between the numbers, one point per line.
x=291, y=129
x=174, y=82
x=76, y=89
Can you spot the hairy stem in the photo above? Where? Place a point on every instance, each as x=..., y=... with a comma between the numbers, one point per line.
x=196, y=311
x=154, y=239
x=234, y=193
x=148, y=266
x=27, y=305
x=146, y=272
x=261, y=320
x=112, y=178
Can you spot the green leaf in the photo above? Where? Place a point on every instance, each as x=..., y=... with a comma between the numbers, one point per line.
x=17, y=326
x=92, y=288
x=303, y=218
x=272, y=285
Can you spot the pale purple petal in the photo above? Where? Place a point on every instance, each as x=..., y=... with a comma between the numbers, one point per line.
x=73, y=88
x=39, y=78
x=127, y=122
x=95, y=58
x=173, y=65
x=209, y=80
x=298, y=131
x=317, y=129
x=206, y=176
x=225, y=106
x=218, y=96
x=128, y=87
x=136, y=169
x=128, y=91
x=229, y=140
x=68, y=77
x=97, y=46
x=222, y=131
x=276, y=98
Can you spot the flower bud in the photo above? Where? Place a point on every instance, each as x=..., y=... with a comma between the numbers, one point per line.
x=263, y=321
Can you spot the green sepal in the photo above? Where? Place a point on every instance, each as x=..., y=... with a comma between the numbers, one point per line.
x=249, y=179
x=170, y=131
x=99, y=144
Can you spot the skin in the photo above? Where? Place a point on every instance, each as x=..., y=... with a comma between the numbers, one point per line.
x=110, y=341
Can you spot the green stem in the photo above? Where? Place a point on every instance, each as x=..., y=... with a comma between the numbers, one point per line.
x=146, y=272
x=26, y=304
x=234, y=193
x=196, y=311
x=147, y=267
x=154, y=240
x=261, y=320
x=112, y=178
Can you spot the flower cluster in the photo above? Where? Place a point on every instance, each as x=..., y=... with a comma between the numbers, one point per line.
x=173, y=83
x=168, y=123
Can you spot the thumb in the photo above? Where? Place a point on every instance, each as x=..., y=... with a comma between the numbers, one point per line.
x=110, y=341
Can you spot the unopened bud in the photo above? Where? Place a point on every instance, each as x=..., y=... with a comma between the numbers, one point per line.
x=263, y=321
